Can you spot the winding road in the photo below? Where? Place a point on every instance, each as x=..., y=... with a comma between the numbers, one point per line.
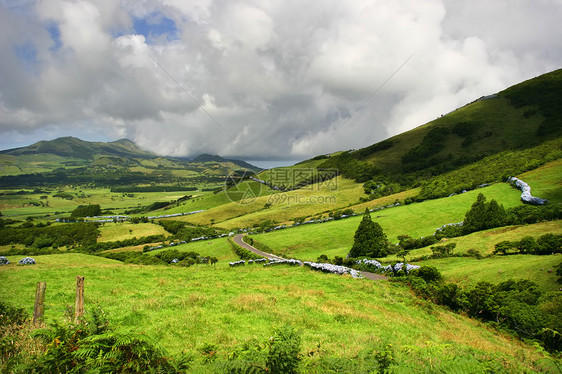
x=238, y=239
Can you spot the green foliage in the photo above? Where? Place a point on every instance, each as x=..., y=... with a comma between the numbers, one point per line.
x=494, y=168
x=95, y=346
x=369, y=239
x=183, y=231
x=408, y=243
x=86, y=211
x=442, y=251
x=130, y=257
x=157, y=205
x=483, y=215
x=74, y=234
x=423, y=155
x=545, y=245
x=64, y=195
x=139, y=189
x=528, y=214
x=284, y=351
x=517, y=305
x=11, y=315
x=543, y=94
x=377, y=189
x=350, y=167
x=427, y=273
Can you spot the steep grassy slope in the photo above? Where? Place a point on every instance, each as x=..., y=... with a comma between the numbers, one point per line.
x=339, y=317
x=519, y=117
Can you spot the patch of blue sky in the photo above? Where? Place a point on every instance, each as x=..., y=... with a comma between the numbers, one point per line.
x=155, y=26
x=53, y=30
x=27, y=54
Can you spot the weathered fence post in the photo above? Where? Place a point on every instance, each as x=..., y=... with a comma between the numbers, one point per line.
x=79, y=306
x=39, y=307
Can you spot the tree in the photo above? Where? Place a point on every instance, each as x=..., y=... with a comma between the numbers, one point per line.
x=483, y=215
x=475, y=218
x=369, y=239
x=495, y=214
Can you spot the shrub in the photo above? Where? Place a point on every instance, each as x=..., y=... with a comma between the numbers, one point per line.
x=427, y=273
x=96, y=346
x=284, y=347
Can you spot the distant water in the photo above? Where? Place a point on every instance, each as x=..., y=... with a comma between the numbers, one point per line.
x=268, y=164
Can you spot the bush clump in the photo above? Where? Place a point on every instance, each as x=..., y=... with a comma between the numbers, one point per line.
x=516, y=305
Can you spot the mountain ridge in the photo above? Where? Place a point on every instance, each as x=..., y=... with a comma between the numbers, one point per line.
x=72, y=147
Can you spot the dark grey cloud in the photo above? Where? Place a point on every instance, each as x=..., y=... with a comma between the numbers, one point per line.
x=271, y=79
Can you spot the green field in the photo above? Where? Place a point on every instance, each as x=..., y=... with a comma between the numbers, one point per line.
x=469, y=271
x=336, y=237
x=484, y=241
x=125, y=230
x=184, y=308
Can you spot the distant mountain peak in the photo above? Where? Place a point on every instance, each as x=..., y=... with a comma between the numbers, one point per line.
x=69, y=146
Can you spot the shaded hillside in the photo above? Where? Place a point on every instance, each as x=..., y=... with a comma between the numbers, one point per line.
x=519, y=117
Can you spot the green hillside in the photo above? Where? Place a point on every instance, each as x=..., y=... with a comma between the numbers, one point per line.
x=214, y=316
x=519, y=117
x=75, y=148
x=70, y=160
x=342, y=320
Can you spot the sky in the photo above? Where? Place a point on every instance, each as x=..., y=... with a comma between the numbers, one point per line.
x=257, y=79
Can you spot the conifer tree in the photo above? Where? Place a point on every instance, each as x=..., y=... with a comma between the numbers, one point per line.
x=369, y=239
x=483, y=215
x=475, y=218
x=495, y=214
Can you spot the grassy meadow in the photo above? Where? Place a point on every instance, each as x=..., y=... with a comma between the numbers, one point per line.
x=338, y=316
x=467, y=271
x=335, y=238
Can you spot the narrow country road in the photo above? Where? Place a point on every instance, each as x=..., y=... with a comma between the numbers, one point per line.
x=238, y=240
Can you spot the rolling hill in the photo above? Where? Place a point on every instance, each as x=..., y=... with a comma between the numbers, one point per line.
x=121, y=162
x=216, y=314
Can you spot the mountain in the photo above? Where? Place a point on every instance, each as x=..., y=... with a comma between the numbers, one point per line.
x=71, y=160
x=80, y=149
x=214, y=158
x=522, y=116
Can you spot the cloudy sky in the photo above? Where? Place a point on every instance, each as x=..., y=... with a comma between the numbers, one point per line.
x=259, y=79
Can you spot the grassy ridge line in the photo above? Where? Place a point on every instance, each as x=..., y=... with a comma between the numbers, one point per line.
x=184, y=308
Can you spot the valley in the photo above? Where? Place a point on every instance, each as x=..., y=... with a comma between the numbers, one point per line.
x=152, y=210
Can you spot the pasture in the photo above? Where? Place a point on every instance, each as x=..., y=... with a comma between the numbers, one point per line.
x=186, y=309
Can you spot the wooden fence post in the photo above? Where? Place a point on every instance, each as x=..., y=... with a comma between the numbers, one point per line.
x=79, y=306
x=39, y=307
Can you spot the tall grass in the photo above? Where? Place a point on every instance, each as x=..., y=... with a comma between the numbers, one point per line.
x=188, y=308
